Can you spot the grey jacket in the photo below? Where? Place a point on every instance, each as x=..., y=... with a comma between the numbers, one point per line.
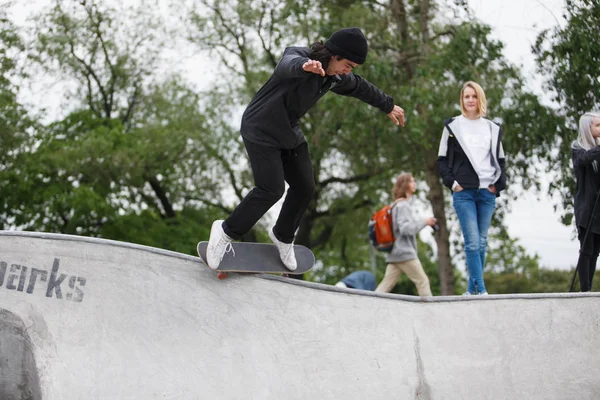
x=406, y=227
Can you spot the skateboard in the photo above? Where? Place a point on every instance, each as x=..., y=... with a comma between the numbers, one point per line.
x=258, y=258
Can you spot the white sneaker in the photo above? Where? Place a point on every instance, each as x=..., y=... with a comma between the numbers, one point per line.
x=218, y=244
x=286, y=252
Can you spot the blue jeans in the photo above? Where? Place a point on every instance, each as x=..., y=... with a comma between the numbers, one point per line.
x=474, y=208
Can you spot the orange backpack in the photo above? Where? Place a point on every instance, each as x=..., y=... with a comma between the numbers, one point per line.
x=381, y=229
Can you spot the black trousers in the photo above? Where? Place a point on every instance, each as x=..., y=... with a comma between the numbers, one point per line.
x=588, y=255
x=271, y=168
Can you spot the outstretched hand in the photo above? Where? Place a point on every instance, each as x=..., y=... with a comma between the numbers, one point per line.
x=397, y=115
x=314, y=66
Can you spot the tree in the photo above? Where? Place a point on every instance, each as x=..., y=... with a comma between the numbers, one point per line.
x=568, y=57
x=77, y=172
x=16, y=125
x=431, y=58
x=512, y=270
x=134, y=158
x=421, y=60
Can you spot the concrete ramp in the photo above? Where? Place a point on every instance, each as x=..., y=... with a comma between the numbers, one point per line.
x=84, y=318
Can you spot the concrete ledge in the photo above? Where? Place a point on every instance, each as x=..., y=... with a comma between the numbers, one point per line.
x=312, y=285
x=112, y=320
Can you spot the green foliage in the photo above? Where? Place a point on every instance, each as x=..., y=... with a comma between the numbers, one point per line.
x=16, y=125
x=180, y=233
x=10, y=43
x=429, y=91
x=137, y=157
x=140, y=156
x=108, y=51
x=568, y=57
x=529, y=280
x=506, y=255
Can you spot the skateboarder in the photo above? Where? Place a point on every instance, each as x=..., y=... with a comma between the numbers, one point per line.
x=276, y=147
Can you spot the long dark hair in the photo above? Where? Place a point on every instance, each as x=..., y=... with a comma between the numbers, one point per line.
x=319, y=52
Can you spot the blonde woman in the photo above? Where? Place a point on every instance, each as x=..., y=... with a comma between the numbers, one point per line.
x=586, y=157
x=403, y=257
x=471, y=163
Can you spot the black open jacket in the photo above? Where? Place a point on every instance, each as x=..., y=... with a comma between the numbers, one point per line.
x=454, y=163
x=586, y=165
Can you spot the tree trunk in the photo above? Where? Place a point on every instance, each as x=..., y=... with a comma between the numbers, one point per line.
x=442, y=237
x=162, y=197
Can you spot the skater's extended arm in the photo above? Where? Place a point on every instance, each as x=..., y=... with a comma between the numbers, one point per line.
x=356, y=86
x=295, y=64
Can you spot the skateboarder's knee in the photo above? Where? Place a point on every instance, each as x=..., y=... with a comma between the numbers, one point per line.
x=305, y=187
x=272, y=193
x=310, y=187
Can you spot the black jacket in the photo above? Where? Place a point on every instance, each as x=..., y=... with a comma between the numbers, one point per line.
x=272, y=116
x=454, y=163
x=586, y=165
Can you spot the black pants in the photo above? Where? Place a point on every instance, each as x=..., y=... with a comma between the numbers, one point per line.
x=588, y=255
x=271, y=167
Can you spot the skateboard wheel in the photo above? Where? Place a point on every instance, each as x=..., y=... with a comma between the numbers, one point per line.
x=221, y=275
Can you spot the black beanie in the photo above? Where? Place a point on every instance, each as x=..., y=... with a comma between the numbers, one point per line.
x=349, y=43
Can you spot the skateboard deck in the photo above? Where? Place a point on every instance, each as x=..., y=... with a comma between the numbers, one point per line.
x=259, y=258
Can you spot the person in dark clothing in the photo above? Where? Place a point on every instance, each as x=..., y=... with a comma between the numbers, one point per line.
x=276, y=147
x=586, y=157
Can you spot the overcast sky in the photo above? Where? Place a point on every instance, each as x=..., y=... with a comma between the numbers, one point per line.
x=514, y=22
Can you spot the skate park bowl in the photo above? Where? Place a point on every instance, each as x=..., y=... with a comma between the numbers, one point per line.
x=86, y=318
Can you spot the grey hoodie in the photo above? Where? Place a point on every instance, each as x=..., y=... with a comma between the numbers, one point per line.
x=406, y=227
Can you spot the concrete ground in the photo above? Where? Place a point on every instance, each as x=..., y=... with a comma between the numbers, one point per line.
x=84, y=318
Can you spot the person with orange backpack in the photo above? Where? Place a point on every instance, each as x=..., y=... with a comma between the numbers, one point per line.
x=405, y=226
